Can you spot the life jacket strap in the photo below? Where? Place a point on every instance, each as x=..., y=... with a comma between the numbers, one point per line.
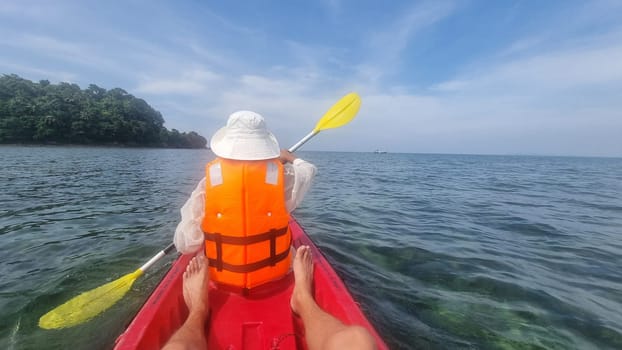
x=218, y=263
x=252, y=266
x=246, y=240
x=271, y=235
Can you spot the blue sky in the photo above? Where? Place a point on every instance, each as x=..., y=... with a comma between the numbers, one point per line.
x=480, y=77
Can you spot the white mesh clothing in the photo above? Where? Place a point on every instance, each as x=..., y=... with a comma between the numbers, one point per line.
x=189, y=236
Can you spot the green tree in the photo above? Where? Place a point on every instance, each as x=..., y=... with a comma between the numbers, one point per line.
x=63, y=113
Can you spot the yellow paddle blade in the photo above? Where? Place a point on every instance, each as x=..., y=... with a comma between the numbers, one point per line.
x=341, y=113
x=88, y=304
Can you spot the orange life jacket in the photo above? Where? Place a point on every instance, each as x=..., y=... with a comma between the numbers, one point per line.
x=246, y=224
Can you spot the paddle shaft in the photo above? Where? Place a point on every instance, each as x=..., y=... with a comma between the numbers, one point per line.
x=303, y=141
x=157, y=257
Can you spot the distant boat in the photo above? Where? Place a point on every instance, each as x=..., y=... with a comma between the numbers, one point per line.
x=379, y=151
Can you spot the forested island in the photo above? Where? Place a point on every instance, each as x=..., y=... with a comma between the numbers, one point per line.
x=45, y=113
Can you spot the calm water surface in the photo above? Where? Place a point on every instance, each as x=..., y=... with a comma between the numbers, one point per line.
x=442, y=251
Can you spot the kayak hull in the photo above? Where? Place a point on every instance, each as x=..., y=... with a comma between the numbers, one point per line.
x=253, y=320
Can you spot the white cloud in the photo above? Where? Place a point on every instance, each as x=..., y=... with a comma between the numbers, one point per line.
x=451, y=85
x=519, y=106
x=539, y=91
x=165, y=87
x=213, y=56
x=557, y=70
x=64, y=50
x=29, y=72
x=563, y=101
x=386, y=45
x=193, y=82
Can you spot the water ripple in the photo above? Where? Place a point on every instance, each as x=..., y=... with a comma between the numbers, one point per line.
x=442, y=252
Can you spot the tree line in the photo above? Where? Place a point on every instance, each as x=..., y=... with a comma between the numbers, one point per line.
x=45, y=113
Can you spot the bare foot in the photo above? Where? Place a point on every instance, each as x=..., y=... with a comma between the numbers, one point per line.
x=196, y=285
x=303, y=275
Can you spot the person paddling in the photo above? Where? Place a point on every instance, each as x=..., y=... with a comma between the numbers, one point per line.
x=240, y=211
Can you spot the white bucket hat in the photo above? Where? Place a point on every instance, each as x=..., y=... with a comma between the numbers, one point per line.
x=245, y=137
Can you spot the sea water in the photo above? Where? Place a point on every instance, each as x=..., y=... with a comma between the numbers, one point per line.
x=441, y=251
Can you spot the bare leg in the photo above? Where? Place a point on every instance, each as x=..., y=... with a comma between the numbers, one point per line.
x=191, y=335
x=322, y=330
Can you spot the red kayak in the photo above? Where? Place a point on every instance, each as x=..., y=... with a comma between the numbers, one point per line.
x=258, y=320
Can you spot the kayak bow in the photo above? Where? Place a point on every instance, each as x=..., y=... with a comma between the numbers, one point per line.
x=258, y=319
